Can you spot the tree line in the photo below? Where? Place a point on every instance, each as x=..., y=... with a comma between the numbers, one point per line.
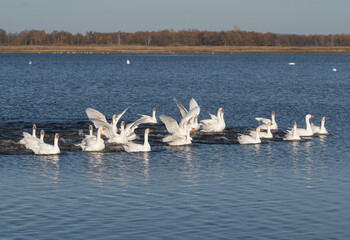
x=191, y=37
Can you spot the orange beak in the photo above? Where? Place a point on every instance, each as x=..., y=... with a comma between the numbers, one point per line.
x=312, y=116
x=154, y=109
x=325, y=118
x=222, y=110
x=149, y=130
x=271, y=123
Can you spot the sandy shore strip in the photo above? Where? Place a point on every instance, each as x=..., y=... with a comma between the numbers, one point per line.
x=167, y=49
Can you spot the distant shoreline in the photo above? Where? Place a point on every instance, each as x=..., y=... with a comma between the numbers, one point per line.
x=167, y=49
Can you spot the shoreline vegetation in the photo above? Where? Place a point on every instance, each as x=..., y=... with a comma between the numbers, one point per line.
x=167, y=49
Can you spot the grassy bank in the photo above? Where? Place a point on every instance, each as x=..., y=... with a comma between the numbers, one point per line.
x=170, y=49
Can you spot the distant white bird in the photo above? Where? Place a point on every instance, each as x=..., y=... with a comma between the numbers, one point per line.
x=93, y=143
x=134, y=147
x=215, y=124
x=150, y=119
x=127, y=61
x=292, y=135
x=334, y=69
x=292, y=63
x=30, y=62
x=247, y=139
x=265, y=121
x=306, y=132
x=320, y=129
x=47, y=149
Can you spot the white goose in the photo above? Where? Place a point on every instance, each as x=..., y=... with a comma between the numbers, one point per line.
x=179, y=139
x=215, y=124
x=99, y=120
x=150, y=119
x=264, y=122
x=320, y=130
x=93, y=143
x=121, y=137
x=134, y=147
x=306, y=132
x=194, y=121
x=47, y=149
x=180, y=129
x=33, y=142
x=263, y=135
x=247, y=139
x=23, y=140
x=292, y=135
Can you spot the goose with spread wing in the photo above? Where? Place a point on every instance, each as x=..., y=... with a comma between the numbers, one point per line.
x=180, y=130
x=194, y=125
x=99, y=120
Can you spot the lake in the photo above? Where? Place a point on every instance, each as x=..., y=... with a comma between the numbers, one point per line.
x=214, y=188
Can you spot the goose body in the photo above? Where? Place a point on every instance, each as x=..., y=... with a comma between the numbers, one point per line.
x=306, y=132
x=263, y=135
x=26, y=136
x=119, y=138
x=178, y=139
x=150, y=119
x=247, y=139
x=99, y=120
x=33, y=142
x=292, y=135
x=215, y=123
x=47, y=149
x=179, y=128
x=320, y=129
x=265, y=121
x=93, y=143
x=134, y=147
x=194, y=120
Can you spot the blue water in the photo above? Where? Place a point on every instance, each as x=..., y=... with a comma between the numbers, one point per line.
x=212, y=189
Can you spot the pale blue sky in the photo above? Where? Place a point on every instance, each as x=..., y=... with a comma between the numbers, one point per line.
x=277, y=16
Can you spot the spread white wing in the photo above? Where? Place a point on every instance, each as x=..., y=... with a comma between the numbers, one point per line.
x=170, y=124
x=182, y=109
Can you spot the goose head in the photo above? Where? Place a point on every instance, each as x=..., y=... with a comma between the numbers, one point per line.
x=308, y=116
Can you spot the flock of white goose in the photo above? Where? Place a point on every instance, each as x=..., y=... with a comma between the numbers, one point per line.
x=179, y=133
